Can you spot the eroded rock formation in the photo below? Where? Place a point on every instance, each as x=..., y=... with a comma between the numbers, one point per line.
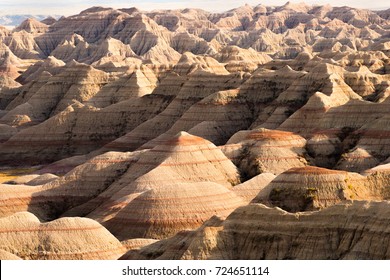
x=187, y=134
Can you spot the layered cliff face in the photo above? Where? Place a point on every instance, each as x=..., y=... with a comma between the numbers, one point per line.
x=359, y=230
x=161, y=36
x=257, y=133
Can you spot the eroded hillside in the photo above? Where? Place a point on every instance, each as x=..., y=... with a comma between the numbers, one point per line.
x=257, y=133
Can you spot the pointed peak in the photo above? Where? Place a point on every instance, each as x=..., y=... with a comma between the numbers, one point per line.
x=31, y=25
x=363, y=69
x=30, y=21
x=286, y=68
x=49, y=20
x=137, y=74
x=184, y=134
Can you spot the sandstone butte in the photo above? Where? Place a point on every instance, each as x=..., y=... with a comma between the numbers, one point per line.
x=262, y=132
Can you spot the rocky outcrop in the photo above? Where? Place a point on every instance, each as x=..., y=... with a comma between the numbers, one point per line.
x=23, y=45
x=77, y=83
x=186, y=91
x=78, y=123
x=238, y=59
x=9, y=64
x=169, y=127
x=163, y=211
x=351, y=235
x=141, y=82
x=161, y=36
x=313, y=188
x=262, y=150
x=50, y=65
x=69, y=238
x=49, y=20
x=190, y=165
x=33, y=26
x=49, y=196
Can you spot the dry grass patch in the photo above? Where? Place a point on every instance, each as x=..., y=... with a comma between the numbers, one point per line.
x=10, y=174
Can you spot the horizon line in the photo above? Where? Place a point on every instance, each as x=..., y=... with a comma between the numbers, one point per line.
x=65, y=10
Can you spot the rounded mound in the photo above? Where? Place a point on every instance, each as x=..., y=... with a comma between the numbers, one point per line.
x=163, y=211
x=63, y=239
x=312, y=188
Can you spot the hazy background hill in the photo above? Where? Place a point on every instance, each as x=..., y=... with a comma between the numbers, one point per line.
x=14, y=20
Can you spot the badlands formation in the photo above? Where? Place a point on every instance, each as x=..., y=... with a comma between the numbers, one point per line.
x=257, y=133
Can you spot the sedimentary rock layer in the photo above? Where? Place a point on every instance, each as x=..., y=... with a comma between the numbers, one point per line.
x=67, y=238
x=359, y=230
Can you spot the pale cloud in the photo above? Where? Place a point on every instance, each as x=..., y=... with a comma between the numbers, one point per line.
x=75, y=6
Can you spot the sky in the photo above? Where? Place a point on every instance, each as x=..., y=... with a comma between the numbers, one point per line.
x=70, y=7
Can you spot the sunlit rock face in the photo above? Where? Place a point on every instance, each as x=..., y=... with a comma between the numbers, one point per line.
x=256, y=133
